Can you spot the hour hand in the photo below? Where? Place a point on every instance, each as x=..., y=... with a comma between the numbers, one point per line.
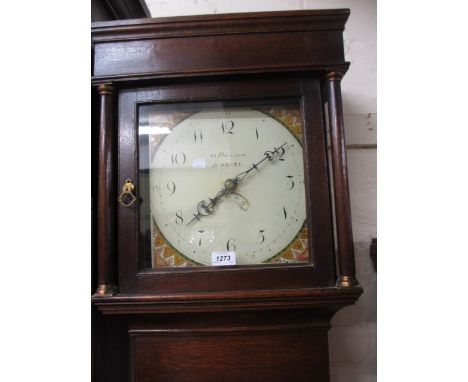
x=206, y=207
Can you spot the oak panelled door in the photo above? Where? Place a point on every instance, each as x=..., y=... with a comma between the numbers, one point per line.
x=216, y=242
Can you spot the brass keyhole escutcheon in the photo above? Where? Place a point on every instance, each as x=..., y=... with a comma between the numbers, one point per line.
x=127, y=197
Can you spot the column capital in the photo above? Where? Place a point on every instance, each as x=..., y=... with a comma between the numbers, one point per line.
x=105, y=89
x=335, y=76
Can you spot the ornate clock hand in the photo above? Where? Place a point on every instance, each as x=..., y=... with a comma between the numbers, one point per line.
x=206, y=209
x=270, y=155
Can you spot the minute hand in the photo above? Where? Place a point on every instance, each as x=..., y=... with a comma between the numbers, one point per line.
x=269, y=155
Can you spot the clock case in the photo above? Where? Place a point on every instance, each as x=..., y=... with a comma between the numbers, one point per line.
x=182, y=323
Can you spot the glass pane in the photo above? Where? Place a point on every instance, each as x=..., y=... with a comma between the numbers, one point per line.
x=221, y=184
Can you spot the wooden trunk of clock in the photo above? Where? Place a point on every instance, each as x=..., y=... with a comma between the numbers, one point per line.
x=240, y=346
x=163, y=313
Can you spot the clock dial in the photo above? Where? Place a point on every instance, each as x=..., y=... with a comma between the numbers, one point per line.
x=227, y=180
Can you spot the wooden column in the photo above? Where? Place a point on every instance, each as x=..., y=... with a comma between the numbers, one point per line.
x=346, y=267
x=106, y=196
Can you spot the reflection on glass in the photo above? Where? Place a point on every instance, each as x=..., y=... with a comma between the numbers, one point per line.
x=223, y=184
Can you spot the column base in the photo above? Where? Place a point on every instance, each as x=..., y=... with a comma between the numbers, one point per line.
x=105, y=290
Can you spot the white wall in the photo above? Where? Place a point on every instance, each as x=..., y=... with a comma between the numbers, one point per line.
x=353, y=336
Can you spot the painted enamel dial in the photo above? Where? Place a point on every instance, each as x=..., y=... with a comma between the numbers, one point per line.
x=228, y=180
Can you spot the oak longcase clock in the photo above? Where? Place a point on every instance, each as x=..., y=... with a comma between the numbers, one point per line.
x=221, y=246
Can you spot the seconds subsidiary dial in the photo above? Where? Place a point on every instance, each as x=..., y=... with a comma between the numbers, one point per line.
x=228, y=180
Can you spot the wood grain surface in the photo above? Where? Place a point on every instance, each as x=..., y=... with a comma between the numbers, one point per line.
x=254, y=323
